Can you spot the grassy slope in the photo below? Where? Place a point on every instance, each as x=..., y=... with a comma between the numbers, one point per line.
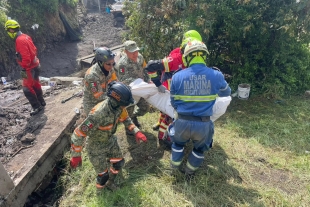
x=260, y=158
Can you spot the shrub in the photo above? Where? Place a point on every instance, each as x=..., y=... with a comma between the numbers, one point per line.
x=260, y=42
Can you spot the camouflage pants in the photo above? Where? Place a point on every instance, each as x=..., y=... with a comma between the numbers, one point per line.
x=140, y=109
x=100, y=153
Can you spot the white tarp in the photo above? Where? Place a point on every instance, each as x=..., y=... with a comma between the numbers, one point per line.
x=161, y=101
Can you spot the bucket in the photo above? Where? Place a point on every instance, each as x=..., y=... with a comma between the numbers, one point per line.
x=243, y=91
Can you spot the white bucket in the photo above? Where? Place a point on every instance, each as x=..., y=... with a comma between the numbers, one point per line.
x=243, y=91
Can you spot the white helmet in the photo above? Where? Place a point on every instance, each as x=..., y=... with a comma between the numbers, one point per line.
x=195, y=52
x=195, y=45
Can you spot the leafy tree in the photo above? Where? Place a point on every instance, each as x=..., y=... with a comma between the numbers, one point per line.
x=261, y=42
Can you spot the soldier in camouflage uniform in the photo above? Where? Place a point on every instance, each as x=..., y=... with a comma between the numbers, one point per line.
x=97, y=78
x=130, y=67
x=100, y=126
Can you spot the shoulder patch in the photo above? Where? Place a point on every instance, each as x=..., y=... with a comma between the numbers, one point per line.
x=93, y=87
x=87, y=125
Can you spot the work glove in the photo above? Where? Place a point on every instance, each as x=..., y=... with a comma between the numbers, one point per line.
x=161, y=89
x=23, y=74
x=155, y=65
x=140, y=137
x=75, y=162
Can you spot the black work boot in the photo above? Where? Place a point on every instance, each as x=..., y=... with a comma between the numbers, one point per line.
x=156, y=126
x=166, y=145
x=135, y=121
x=189, y=174
x=43, y=103
x=39, y=94
x=112, y=186
x=36, y=110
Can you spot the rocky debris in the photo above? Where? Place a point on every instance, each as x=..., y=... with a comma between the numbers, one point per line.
x=307, y=94
x=16, y=134
x=28, y=138
x=16, y=130
x=13, y=121
x=13, y=85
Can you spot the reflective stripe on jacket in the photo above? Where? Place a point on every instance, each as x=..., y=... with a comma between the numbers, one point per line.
x=194, y=90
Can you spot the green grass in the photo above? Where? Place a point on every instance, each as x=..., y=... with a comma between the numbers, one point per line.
x=260, y=157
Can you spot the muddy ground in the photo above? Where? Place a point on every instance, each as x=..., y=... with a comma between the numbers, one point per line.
x=58, y=60
x=16, y=134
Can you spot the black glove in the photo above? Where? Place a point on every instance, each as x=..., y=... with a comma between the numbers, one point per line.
x=23, y=74
x=155, y=65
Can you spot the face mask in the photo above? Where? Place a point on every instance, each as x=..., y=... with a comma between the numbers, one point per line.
x=184, y=61
x=12, y=34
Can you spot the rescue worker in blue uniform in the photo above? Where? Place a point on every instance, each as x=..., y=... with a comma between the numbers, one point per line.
x=193, y=93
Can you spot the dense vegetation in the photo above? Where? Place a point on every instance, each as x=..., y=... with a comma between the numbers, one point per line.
x=264, y=43
x=29, y=12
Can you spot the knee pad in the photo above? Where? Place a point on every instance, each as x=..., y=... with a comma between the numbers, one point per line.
x=102, y=178
x=118, y=165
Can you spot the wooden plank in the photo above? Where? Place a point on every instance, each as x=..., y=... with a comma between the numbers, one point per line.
x=91, y=56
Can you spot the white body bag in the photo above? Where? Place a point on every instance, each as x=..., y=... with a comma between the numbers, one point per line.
x=161, y=101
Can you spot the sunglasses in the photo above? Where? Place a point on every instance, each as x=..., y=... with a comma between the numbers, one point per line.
x=110, y=64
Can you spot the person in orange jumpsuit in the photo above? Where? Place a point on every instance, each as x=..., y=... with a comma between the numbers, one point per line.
x=26, y=55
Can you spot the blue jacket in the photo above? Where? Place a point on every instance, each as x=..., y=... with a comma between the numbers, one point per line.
x=194, y=90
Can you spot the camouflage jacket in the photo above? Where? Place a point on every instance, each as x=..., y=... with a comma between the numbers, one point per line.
x=100, y=125
x=128, y=71
x=95, y=86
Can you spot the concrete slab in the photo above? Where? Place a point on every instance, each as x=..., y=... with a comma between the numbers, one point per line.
x=6, y=184
x=66, y=81
x=30, y=165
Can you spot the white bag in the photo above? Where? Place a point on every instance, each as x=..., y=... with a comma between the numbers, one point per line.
x=161, y=101
x=220, y=106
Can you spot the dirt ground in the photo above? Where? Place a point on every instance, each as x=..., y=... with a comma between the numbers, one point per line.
x=15, y=131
